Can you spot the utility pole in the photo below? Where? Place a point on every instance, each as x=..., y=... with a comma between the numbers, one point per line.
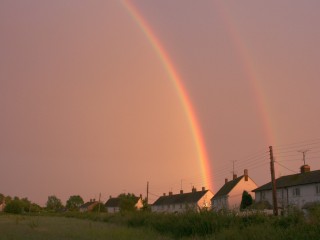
x=99, y=203
x=147, y=192
x=273, y=183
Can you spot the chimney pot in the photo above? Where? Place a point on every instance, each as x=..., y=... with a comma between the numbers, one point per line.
x=305, y=168
x=203, y=189
x=225, y=180
x=181, y=191
x=234, y=176
x=164, y=194
x=170, y=193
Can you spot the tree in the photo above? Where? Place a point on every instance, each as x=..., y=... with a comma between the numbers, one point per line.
x=54, y=203
x=127, y=202
x=15, y=206
x=246, y=200
x=145, y=206
x=7, y=199
x=100, y=207
x=2, y=198
x=74, y=202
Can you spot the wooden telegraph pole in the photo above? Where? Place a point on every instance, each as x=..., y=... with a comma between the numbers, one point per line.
x=273, y=183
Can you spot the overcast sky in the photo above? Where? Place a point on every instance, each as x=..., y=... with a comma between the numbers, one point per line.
x=87, y=106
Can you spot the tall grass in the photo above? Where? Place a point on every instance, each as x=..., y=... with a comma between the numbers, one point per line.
x=208, y=224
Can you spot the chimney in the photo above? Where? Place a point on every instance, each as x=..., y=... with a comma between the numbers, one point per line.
x=140, y=195
x=110, y=196
x=170, y=193
x=225, y=180
x=181, y=191
x=194, y=189
x=203, y=189
x=305, y=168
x=246, y=175
x=234, y=176
x=164, y=194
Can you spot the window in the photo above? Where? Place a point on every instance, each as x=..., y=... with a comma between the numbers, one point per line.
x=318, y=189
x=296, y=192
x=263, y=195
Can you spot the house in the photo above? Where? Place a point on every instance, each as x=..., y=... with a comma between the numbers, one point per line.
x=292, y=190
x=230, y=194
x=183, y=201
x=113, y=204
x=2, y=206
x=88, y=206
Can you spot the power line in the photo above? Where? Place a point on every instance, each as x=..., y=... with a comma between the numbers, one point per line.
x=285, y=167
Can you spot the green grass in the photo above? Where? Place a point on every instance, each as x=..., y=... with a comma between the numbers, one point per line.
x=145, y=225
x=15, y=227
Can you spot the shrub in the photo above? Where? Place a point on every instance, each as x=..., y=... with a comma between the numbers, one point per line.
x=14, y=206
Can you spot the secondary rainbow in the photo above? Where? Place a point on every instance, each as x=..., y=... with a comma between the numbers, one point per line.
x=183, y=95
x=249, y=70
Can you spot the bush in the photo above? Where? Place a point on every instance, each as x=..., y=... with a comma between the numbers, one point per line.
x=14, y=206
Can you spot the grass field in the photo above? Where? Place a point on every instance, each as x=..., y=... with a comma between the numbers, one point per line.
x=16, y=227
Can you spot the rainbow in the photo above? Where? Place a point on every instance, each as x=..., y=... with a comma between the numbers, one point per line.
x=249, y=70
x=182, y=93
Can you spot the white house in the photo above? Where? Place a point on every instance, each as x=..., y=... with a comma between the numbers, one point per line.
x=113, y=204
x=293, y=190
x=230, y=194
x=182, y=202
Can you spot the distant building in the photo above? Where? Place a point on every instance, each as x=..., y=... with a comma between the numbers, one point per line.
x=2, y=206
x=230, y=194
x=113, y=204
x=298, y=190
x=88, y=206
x=183, y=201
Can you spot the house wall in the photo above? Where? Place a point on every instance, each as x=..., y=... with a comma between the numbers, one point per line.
x=205, y=201
x=113, y=209
x=220, y=203
x=232, y=201
x=139, y=204
x=296, y=196
x=172, y=208
x=235, y=195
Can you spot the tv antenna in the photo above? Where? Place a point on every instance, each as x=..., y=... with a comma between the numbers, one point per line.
x=304, y=155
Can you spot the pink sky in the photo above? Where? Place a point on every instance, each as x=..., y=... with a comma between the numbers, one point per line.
x=87, y=106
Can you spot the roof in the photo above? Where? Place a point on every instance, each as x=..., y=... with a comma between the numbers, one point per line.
x=191, y=197
x=115, y=202
x=87, y=204
x=227, y=187
x=293, y=180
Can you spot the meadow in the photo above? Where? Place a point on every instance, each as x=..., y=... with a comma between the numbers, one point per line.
x=16, y=227
x=146, y=225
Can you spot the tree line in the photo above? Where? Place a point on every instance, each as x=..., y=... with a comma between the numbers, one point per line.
x=18, y=205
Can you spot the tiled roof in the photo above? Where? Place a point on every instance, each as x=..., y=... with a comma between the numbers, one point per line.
x=191, y=197
x=227, y=187
x=115, y=202
x=293, y=180
x=87, y=204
